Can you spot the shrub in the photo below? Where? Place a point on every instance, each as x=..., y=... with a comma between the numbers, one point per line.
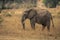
x=50, y=3
x=1, y=20
x=7, y=14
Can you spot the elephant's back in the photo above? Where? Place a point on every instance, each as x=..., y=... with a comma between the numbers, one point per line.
x=43, y=16
x=42, y=12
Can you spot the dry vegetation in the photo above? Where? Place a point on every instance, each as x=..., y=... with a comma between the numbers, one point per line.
x=11, y=28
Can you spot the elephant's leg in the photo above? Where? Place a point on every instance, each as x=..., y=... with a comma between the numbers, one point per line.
x=32, y=22
x=48, y=26
x=23, y=25
x=43, y=25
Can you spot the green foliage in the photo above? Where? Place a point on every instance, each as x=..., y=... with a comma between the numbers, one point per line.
x=59, y=3
x=7, y=14
x=10, y=4
x=50, y=3
x=1, y=20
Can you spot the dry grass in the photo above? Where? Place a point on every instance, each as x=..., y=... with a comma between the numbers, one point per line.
x=12, y=27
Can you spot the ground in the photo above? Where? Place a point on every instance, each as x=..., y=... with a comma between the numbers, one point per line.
x=12, y=29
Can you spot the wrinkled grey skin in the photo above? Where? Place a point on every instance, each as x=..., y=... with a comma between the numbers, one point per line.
x=41, y=17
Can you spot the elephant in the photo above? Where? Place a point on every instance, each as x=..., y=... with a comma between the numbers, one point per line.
x=42, y=17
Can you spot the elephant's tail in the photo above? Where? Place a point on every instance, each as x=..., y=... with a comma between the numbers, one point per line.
x=52, y=21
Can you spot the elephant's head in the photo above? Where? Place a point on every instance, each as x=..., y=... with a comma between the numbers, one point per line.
x=24, y=17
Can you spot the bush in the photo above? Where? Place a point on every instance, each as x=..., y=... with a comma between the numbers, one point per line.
x=7, y=14
x=1, y=20
x=50, y=3
x=59, y=3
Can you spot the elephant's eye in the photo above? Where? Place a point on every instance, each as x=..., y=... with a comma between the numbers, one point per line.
x=25, y=14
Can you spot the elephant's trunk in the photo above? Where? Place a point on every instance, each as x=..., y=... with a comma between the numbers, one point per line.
x=23, y=19
x=23, y=25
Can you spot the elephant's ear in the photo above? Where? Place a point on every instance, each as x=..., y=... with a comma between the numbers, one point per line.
x=32, y=13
